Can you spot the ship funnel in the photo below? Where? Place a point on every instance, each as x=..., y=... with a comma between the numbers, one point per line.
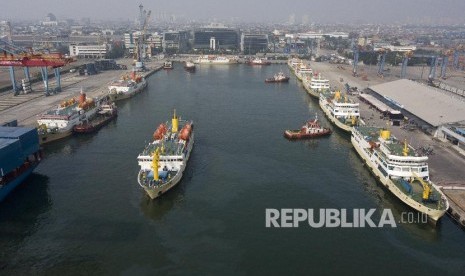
x=174, y=123
x=337, y=95
x=155, y=165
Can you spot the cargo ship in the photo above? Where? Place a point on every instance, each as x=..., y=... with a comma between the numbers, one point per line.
x=126, y=87
x=341, y=111
x=280, y=77
x=163, y=160
x=216, y=60
x=107, y=112
x=19, y=156
x=315, y=85
x=402, y=170
x=59, y=122
x=311, y=129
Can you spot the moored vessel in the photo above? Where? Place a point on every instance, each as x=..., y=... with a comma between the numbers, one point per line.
x=402, y=170
x=167, y=65
x=280, y=77
x=59, y=122
x=258, y=61
x=126, y=87
x=315, y=85
x=310, y=129
x=340, y=110
x=303, y=71
x=19, y=155
x=107, y=111
x=163, y=161
x=216, y=60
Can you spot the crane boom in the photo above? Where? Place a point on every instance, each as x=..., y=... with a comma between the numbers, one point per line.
x=426, y=187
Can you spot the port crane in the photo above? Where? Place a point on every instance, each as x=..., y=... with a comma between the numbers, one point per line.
x=144, y=18
x=14, y=56
x=410, y=54
x=426, y=187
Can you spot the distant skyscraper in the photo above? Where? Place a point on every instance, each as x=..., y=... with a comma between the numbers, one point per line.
x=305, y=19
x=291, y=19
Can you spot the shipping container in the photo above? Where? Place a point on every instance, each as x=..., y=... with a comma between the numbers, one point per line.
x=28, y=138
x=11, y=155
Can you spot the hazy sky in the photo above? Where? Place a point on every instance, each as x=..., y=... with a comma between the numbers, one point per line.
x=375, y=11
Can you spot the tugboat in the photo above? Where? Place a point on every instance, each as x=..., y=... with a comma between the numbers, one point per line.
x=311, y=129
x=107, y=112
x=167, y=65
x=280, y=77
x=163, y=161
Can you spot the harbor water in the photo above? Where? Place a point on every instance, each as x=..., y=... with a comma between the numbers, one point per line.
x=82, y=211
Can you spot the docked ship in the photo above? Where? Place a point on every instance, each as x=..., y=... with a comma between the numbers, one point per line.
x=189, y=66
x=293, y=63
x=311, y=129
x=163, y=161
x=258, y=61
x=341, y=111
x=19, y=156
x=315, y=85
x=107, y=112
x=303, y=71
x=400, y=169
x=126, y=87
x=167, y=65
x=216, y=60
x=280, y=77
x=59, y=122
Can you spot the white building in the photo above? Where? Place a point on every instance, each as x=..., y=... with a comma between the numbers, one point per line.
x=89, y=51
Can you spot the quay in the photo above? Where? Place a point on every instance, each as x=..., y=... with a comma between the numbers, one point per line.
x=448, y=161
x=25, y=107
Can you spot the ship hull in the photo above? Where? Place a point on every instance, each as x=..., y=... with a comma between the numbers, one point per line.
x=156, y=191
x=277, y=81
x=433, y=215
x=334, y=120
x=294, y=135
x=7, y=189
x=50, y=137
x=122, y=96
x=96, y=124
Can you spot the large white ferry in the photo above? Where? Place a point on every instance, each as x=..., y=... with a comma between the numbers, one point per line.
x=400, y=169
x=213, y=60
x=59, y=122
x=303, y=71
x=293, y=63
x=126, y=87
x=341, y=111
x=316, y=85
x=163, y=161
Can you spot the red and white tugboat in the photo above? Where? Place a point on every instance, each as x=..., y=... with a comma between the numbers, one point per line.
x=311, y=129
x=280, y=77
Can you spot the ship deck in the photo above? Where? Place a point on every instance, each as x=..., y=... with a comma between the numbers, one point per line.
x=416, y=193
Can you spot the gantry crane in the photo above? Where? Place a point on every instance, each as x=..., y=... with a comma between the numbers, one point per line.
x=14, y=56
x=410, y=54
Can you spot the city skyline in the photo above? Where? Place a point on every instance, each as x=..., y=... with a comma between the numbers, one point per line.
x=297, y=11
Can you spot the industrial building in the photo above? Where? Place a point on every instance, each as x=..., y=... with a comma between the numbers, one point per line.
x=89, y=51
x=216, y=37
x=254, y=43
x=175, y=41
x=438, y=112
